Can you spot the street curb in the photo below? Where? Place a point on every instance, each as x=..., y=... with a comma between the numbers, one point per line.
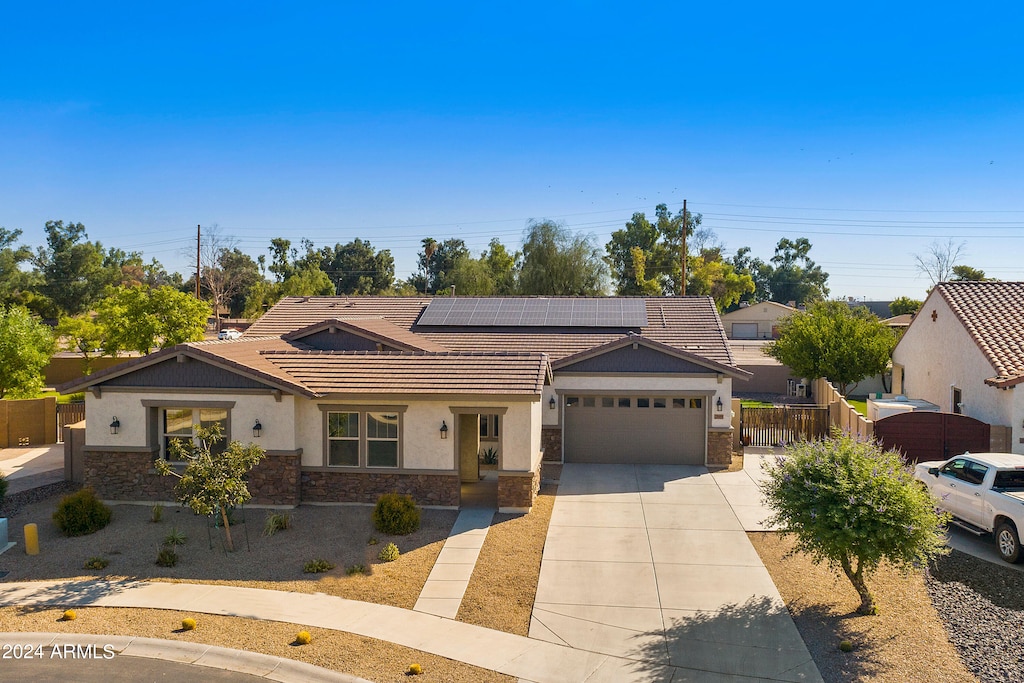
x=252, y=663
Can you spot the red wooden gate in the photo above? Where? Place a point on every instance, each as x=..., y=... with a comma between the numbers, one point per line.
x=923, y=435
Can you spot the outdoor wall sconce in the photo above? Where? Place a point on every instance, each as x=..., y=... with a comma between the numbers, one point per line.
x=115, y=426
x=257, y=429
x=718, y=404
x=552, y=403
x=444, y=429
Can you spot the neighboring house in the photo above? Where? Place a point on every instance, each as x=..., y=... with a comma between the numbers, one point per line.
x=964, y=351
x=756, y=321
x=354, y=397
x=879, y=308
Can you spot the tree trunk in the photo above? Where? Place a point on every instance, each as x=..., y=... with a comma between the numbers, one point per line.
x=227, y=528
x=856, y=577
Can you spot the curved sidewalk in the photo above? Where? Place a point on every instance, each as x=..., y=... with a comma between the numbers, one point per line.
x=524, y=658
x=196, y=654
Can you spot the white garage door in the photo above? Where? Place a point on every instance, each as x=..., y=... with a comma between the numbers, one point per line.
x=744, y=330
x=632, y=429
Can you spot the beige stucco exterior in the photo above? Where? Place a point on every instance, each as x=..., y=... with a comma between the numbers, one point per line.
x=766, y=314
x=938, y=354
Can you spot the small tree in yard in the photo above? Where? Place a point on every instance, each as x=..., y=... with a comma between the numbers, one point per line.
x=834, y=341
x=852, y=505
x=212, y=482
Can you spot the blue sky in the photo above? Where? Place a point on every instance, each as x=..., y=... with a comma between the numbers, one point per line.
x=872, y=130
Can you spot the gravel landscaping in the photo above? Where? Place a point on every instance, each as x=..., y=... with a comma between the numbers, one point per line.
x=982, y=605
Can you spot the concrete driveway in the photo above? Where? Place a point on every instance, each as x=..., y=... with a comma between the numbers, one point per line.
x=651, y=563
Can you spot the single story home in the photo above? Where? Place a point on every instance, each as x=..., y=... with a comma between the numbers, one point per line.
x=755, y=320
x=352, y=397
x=964, y=351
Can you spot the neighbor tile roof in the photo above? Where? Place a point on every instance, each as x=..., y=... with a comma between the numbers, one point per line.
x=687, y=323
x=993, y=314
x=377, y=329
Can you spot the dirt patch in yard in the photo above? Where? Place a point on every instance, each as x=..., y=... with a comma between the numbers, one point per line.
x=338, y=534
x=502, y=589
x=364, y=657
x=905, y=642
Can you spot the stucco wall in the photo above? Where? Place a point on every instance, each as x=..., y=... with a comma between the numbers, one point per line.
x=937, y=354
x=275, y=417
x=766, y=315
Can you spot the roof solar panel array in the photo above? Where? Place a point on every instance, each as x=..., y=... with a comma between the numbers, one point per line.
x=539, y=312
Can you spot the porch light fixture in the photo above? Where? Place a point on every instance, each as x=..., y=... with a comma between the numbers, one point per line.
x=257, y=429
x=444, y=429
x=718, y=404
x=552, y=403
x=115, y=425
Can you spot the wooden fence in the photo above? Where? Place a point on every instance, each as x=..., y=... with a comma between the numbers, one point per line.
x=68, y=414
x=779, y=425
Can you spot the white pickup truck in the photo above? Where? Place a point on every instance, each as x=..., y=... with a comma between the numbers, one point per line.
x=985, y=494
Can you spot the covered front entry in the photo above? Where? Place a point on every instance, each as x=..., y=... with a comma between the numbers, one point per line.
x=652, y=430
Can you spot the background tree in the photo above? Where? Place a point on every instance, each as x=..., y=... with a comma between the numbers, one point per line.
x=80, y=334
x=502, y=266
x=26, y=345
x=852, y=505
x=832, y=340
x=794, y=276
x=968, y=274
x=558, y=262
x=139, y=318
x=709, y=274
x=14, y=283
x=212, y=483
x=437, y=264
x=937, y=263
x=307, y=281
x=659, y=247
x=74, y=272
x=903, y=305
x=357, y=268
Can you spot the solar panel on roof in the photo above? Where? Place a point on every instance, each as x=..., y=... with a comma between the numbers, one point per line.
x=534, y=312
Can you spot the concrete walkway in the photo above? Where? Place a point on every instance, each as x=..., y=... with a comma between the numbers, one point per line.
x=26, y=468
x=197, y=654
x=525, y=658
x=446, y=585
x=742, y=489
x=650, y=563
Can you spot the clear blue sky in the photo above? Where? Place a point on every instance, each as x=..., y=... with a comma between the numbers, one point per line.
x=872, y=129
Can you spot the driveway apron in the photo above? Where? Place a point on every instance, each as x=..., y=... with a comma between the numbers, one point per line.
x=650, y=562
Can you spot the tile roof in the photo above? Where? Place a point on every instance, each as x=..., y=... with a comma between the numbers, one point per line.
x=376, y=329
x=371, y=372
x=687, y=323
x=993, y=314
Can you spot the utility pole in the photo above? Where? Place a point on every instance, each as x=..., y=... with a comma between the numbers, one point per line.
x=682, y=255
x=199, y=229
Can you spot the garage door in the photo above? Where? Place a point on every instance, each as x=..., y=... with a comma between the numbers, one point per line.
x=631, y=429
x=744, y=330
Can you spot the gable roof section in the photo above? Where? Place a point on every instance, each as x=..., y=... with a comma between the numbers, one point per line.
x=993, y=315
x=566, y=363
x=242, y=357
x=362, y=372
x=781, y=309
x=686, y=323
x=375, y=329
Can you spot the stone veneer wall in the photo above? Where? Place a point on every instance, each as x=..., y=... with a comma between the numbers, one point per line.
x=275, y=480
x=320, y=486
x=518, y=490
x=119, y=475
x=720, y=447
x=551, y=442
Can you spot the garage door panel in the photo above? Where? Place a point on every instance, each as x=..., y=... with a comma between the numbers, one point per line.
x=648, y=435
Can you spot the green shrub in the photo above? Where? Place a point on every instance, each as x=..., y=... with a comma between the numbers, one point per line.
x=158, y=513
x=354, y=569
x=167, y=557
x=317, y=566
x=396, y=515
x=303, y=638
x=175, y=537
x=188, y=624
x=388, y=553
x=373, y=541
x=96, y=563
x=69, y=615
x=489, y=456
x=846, y=646
x=81, y=513
x=3, y=486
x=276, y=521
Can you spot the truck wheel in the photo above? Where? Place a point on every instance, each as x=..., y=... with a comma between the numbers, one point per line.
x=1008, y=542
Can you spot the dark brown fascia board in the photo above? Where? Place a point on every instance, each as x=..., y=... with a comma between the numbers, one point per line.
x=736, y=373
x=131, y=365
